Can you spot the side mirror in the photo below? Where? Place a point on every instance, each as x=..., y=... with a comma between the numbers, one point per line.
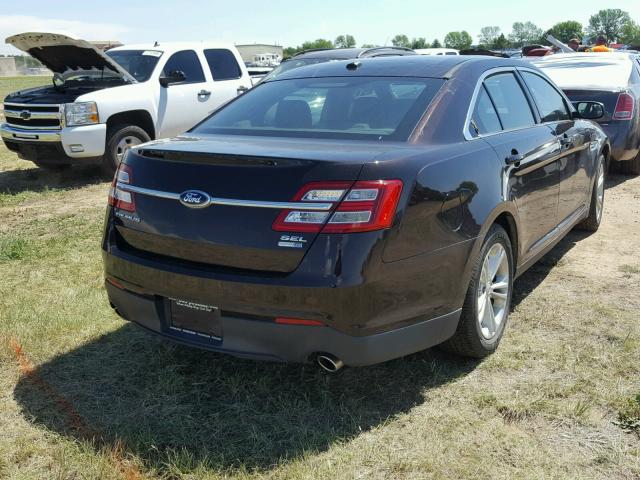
x=590, y=110
x=176, y=76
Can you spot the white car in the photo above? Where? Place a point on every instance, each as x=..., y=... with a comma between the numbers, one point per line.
x=437, y=51
x=100, y=104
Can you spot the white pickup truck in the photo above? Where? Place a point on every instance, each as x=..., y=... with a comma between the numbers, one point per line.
x=100, y=104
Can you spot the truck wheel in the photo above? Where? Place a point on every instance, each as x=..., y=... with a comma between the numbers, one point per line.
x=119, y=139
x=592, y=222
x=630, y=167
x=488, y=300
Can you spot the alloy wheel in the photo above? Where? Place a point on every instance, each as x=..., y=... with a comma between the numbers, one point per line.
x=493, y=291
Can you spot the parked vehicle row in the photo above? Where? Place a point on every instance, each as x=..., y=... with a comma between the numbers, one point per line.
x=355, y=211
x=100, y=104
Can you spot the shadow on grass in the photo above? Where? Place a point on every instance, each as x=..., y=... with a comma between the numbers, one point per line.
x=615, y=179
x=157, y=400
x=535, y=275
x=13, y=182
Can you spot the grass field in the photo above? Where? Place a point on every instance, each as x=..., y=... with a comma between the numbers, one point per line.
x=13, y=84
x=84, y=394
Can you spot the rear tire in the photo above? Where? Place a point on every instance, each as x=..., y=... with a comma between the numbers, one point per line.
x=596, y=207
x=119, y=139
x=630, y=167
x=486, y=307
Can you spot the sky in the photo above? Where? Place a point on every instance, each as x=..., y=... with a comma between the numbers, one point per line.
x=287, y=23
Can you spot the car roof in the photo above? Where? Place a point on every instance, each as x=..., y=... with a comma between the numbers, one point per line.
x=423, y=51
x=588, y=70
x=427, y=66
x=346, y=53
x=172, y=46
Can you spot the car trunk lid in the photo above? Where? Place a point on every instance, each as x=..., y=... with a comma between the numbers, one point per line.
x=247, y=179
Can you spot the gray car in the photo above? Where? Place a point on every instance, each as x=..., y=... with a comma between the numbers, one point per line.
x=312, y=57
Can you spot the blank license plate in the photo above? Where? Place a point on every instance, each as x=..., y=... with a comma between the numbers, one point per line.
x=196, y=319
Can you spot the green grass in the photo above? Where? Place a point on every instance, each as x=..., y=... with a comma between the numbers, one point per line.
x=629, y=414
x=13, y=84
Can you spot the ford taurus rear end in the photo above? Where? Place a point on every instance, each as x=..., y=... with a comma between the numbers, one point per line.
x=261, y=232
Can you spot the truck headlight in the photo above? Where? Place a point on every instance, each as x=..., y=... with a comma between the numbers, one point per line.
x=83, y=113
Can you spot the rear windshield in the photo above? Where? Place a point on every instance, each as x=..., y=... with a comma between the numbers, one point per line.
x=367, y=108
x=139, y=63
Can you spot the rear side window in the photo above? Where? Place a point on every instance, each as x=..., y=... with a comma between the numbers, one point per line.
x=223, y=64
x=550, y=103
x=485, y=118
x=187, y=62
x=510, y=102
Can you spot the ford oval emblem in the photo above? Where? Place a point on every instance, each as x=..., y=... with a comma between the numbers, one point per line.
x=195, y=199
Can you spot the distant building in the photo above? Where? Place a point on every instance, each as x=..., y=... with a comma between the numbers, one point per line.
x=253, y=53
x=8, y=67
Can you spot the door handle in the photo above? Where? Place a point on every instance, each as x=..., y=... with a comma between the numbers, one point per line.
x=204, y=93
x=242, y=89
x=514, y=158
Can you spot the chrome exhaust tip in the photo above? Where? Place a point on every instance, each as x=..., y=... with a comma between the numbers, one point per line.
x=329, y=363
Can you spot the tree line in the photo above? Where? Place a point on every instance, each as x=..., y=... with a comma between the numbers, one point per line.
x=614, y=24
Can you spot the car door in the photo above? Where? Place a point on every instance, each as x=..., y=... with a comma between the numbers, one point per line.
x=574, y=140
x=182, y=105
x=530, y=177
x=226, y=74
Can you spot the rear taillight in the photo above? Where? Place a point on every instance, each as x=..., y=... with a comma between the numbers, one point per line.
x=118, y=197
x=624, y=107
x=360, y=207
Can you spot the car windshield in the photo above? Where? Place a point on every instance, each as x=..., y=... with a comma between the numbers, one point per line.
x=139, y=63
x=291, y=64
x=365, y=108
x=87, y=76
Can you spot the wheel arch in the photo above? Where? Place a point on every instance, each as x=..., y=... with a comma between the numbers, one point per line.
x=505, y=215
x=138, y=118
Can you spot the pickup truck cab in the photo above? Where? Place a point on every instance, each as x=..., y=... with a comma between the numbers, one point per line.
x=102, y=103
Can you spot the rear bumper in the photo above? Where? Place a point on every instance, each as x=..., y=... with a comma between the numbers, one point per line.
x=82, y=144
x=265, y=340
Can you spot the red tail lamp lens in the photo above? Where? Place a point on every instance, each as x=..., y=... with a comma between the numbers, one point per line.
x=624, y=107
x=362, y=206
x=118, y=197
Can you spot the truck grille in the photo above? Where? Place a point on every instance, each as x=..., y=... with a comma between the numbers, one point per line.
x=33, y=117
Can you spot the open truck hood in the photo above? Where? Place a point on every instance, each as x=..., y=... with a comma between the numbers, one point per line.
x=60, y=53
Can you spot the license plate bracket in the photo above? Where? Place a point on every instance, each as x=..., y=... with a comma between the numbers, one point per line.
x=203, y=321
